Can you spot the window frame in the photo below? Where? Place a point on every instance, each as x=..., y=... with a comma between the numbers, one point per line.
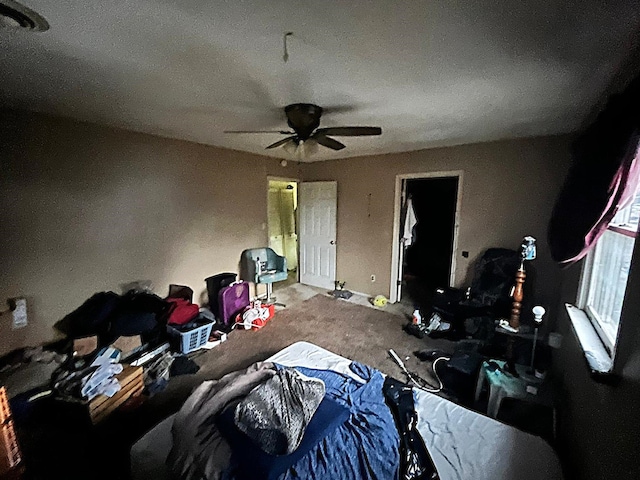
x=585, y=284
x=583, y=295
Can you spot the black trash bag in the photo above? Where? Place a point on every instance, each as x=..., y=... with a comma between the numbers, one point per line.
x=415, y=460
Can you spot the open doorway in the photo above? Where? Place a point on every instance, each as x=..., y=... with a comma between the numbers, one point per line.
x=282, y=206
x=426, y=225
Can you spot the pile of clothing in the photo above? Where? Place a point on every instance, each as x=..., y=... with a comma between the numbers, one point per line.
x=108, y=316
x=109, y=328
x=95, y=378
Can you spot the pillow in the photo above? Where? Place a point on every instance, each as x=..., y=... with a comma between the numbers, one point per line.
x=250, y=462
x=276, y=413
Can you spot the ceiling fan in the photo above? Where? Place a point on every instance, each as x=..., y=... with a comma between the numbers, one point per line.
x=304, y=120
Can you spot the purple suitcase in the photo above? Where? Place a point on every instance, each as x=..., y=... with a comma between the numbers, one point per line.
x=232, y=300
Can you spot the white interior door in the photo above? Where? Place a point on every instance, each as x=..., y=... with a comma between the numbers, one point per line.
x=317, y=235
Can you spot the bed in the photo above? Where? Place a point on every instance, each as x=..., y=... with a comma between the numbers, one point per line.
x=462, y=443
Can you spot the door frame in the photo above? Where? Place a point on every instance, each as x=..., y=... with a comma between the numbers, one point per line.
x=274, y=178
x=397, y=210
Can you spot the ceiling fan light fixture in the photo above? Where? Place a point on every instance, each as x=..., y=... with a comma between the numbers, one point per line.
x=301, y=149
x=308, y=147
x=291, y=147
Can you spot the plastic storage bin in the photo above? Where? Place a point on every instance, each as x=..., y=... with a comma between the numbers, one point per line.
x=192, y=339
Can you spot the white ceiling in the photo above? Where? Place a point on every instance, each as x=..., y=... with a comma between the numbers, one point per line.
x=429, y=73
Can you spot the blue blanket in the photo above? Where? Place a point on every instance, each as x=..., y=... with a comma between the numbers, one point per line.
x=365, y=446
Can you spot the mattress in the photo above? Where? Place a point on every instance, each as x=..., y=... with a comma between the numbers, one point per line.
x=463, y=444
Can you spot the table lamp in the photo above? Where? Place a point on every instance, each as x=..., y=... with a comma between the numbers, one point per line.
x=538, y=312
x=527, y=253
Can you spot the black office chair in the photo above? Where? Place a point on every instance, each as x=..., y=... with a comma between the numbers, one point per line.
x=488, y=296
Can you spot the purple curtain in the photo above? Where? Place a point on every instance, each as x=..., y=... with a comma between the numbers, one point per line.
x=603, y=177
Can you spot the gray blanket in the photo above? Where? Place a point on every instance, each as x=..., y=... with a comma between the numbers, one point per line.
x=199, y=451
x=276, y=414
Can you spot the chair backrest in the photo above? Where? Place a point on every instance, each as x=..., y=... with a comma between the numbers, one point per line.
x=494, y=276
x=248, y=259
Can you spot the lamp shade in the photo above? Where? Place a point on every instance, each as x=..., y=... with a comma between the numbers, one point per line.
x=538, y=312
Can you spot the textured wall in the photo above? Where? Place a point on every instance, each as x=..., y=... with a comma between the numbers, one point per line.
x=508, y=191
x=598, y=423
x=85, y=208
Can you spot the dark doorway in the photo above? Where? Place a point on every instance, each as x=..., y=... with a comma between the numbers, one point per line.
x=427, y=261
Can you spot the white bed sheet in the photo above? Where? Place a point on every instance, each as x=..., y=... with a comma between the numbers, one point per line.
x=464, y=445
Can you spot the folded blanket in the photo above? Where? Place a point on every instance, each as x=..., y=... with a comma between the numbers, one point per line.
x=199, y=451
x=276, y=414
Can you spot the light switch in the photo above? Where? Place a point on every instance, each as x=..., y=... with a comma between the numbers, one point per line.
x=19, y=313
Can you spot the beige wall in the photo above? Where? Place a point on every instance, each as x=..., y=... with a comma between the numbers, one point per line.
x=598, y=427
x=85, y=208
x=508, y=191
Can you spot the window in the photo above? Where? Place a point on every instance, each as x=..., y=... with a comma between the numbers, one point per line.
x=604, y=278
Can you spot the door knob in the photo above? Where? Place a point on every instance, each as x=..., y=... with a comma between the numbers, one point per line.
x=332, y=242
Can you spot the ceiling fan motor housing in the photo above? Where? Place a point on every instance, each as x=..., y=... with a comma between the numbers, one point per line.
x=303, y=118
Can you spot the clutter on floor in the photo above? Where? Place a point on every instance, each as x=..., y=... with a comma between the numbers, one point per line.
x=130, y=384
x=52, y=426
x=255, y=316
x=472, y=364
x=340, y=292
x=28, y=369
x=119, y=346
x=380, y=301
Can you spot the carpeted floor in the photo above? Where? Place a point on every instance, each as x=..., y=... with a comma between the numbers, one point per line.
x=361, y=333
x=354, y=331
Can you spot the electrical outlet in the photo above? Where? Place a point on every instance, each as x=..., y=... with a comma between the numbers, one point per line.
x=373, y=278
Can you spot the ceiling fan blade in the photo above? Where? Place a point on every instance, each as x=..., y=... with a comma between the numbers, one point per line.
x=350, y=131
x=279, y=143
x=327, y=142
x=281, y=132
